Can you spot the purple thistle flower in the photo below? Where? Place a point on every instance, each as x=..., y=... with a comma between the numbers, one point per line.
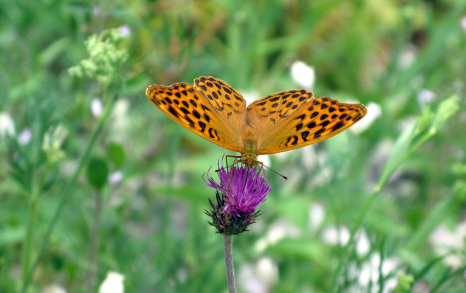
x=243, y=190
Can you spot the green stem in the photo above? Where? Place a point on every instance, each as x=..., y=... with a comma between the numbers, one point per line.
x=66, y=192
x=228, y=249
x=93, y=244
x=31, y=221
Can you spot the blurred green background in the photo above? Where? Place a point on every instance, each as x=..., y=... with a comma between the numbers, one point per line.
x=122, y=190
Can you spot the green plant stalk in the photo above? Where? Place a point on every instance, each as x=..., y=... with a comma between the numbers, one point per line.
x=66, y=192
x=93, y=243
x=412, y=147
x=228, y=249
x=31, y=220
x=407, y=141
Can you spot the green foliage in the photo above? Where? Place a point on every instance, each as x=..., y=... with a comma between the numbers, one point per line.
x=97, y=172
x=116, y=154
x=355, y=205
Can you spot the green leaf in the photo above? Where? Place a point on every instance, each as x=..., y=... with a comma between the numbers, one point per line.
x=446, y=109
x=97, y=173
x=398, y=155
x=116, y=154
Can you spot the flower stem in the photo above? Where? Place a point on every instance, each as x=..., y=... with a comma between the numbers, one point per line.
x=228, y=242
x=93, y=244
x=31, y=220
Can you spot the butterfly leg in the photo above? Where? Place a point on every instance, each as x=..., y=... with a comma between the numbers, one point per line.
x=237, y=160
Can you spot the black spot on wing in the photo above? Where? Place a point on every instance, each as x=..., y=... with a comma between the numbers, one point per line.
x=338, y=125
x=202, y=125
x=304, y=135
x=173, y=111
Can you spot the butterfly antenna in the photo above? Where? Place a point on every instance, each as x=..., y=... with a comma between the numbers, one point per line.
x=284, y=177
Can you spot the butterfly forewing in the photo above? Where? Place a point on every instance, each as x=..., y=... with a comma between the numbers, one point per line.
x=223, y=98
x=314, y=120
x=184, y=104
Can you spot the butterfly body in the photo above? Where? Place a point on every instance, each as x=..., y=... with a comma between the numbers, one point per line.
x=279, y=122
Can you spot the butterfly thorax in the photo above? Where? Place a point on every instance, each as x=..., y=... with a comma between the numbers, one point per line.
x=249, y=151
x=249, y=155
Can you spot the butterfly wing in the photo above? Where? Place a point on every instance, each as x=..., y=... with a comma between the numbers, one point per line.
x=294, y=119
x=192, y=110
x=223, y=98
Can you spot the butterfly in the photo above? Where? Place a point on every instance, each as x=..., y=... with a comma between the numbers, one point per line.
x=279, y=122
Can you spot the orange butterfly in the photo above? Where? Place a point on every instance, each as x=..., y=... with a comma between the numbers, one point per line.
x=277, y=123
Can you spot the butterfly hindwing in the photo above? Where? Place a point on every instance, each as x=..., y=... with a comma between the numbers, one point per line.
x=314, y=120
x=274, y=111
x=184, y=104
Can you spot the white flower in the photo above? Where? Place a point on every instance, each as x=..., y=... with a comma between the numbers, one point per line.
x=96, y=107
x=25, y=136
x=125, y=31
x=96, y=11
x=113, y=283
x=303, y=75
x=463, y=22
x=363, y=245
x=446, y=241
x=316, y=216
x=407, y=57
x=341, y=236
x=7, y=125
x=115, y=178
x=333, y=235
x=278, y=230
x=370, y=273
x=54, y=288
x=425, y=97
x=373, y=112
x=260, y=276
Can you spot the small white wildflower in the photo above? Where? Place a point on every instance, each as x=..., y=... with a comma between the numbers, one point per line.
x=125, y=31
x=303, y=75
x=316, y=216
x=373, y=112
x=96, y=11
x=7, y=125
x=25, y=136
x=463, y=22
x=278, y=230
x=445, y=241
x=54, y=288
x=333, y=235
x=425, y=97
x=249, y=281
x=96, y=107
x=282, y=229
x=113, y=283
x=258, y=277
x=369, y=273
x=407, y=57
x=363, y=244
x=115, y=178
x=267, y=270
